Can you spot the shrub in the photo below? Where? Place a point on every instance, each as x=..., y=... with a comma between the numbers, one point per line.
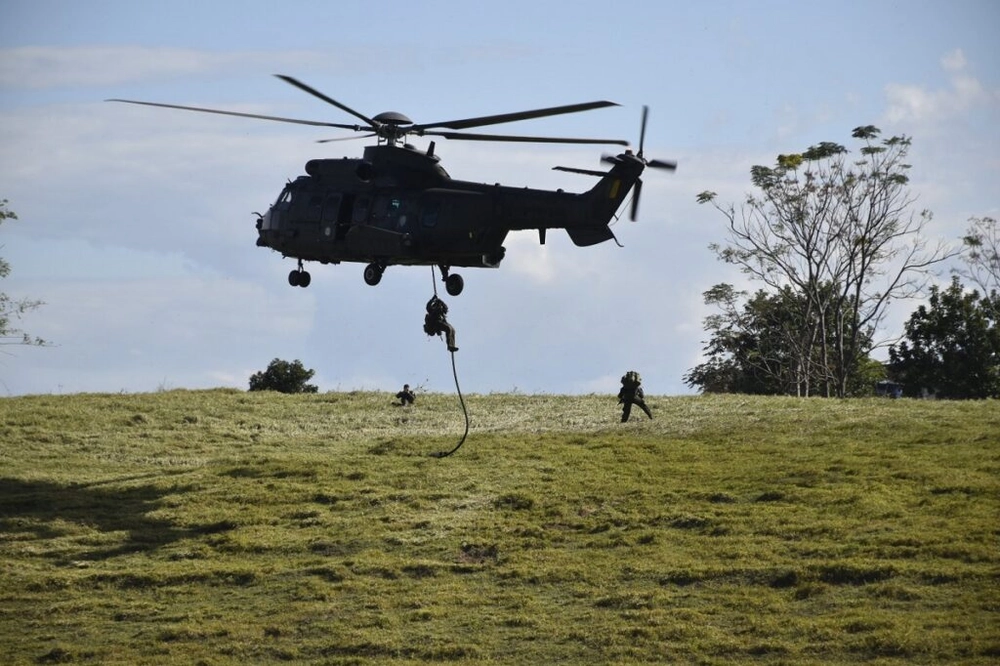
x=284, y=377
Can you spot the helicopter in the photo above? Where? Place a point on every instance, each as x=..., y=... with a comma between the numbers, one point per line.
x=396, y=205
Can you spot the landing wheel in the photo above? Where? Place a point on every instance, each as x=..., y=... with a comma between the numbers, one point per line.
x=373, y=274
x=299, y=278
x=454, y=284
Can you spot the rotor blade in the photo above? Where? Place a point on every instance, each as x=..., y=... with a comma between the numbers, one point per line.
x=511, y=117
x=661, y=164
x=586, y=172
x=346, y=138
x=642, y=129
x=199, y=109
x=315, y=93
x=520, y=139
x=635, y=199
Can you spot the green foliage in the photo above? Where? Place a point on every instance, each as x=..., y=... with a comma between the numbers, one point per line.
x=762, y=347
x=981, y=254
x=866, y=132
x=5, y=214
x=12, y=309
x=868, y=373
x=790, y=161
x=825, y=150
x=951, y=346
x=832, y=241
x=224, y=527
x=283, y=377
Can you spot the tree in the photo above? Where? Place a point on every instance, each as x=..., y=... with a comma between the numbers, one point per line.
x=951, y=346
x=840, y=234
x=12, y=309
x=757, y=347
x=981, y=254
x=747, y=350
x=284, y=377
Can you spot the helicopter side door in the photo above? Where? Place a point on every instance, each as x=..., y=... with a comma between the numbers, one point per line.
x=392, y=211
x=376, y=232
x=310, y=208
x=332, y=216
x=344, y=216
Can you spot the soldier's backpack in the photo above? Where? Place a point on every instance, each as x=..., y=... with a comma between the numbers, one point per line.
x=631, y=380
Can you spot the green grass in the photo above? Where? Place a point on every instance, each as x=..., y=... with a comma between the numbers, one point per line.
x=221, y=527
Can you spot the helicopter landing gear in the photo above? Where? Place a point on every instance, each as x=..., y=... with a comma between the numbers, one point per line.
x=373, y=274
x=453, y=284
x=299, y=277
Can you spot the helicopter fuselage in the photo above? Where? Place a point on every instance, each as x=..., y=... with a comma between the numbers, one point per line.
x=398, y=206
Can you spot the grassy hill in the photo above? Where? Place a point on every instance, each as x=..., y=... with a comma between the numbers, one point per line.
x=222, y=527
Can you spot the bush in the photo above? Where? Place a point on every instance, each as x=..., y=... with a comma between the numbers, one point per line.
x=284, y=377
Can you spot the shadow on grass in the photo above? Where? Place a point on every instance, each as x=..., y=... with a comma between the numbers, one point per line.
x=43, y=507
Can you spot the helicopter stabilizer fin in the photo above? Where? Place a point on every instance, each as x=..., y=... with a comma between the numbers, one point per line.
x=585, y=236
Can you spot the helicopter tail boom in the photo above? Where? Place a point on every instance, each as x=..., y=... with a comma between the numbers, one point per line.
x=584, y=216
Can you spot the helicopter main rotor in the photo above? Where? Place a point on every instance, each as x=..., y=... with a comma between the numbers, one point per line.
x=393, y=127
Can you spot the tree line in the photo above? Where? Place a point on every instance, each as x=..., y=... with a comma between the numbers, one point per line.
x=833, y=240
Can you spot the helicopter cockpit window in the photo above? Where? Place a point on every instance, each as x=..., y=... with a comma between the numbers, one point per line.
x=284, y=197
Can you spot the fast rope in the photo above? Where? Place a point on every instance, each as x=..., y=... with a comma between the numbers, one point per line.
x=461, y=400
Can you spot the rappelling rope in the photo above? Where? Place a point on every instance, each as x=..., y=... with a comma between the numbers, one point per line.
x=461, y=400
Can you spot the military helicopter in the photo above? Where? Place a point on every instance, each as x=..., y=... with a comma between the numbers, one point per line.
x=397, y=205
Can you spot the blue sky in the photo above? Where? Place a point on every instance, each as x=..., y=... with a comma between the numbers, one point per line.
x=136, y=224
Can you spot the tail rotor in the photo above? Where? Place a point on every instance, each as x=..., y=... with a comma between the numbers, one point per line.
x=669, y=165
x=636, y=162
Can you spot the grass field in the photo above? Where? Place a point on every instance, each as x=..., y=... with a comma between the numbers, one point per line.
x=218, y=527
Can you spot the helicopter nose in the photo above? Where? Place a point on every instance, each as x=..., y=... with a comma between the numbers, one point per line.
x=266, y=225
x=270, y=220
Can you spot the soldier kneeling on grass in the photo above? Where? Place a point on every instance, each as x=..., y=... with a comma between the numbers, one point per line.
x=631, y=394
x=405, y=397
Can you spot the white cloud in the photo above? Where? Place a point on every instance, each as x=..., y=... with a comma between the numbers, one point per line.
x=954, y=61
x=40, y=67
x=44, y=67
x=915, y=103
